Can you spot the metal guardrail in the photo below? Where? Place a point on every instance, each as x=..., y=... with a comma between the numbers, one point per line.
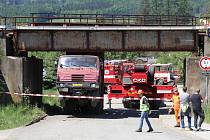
x=38, y=19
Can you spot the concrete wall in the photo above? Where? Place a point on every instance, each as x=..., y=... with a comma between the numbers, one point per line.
x=2, y=46
x=12, y=68
x=207, y=46
x=32, y=74
x=22, y=74
x=194, y=77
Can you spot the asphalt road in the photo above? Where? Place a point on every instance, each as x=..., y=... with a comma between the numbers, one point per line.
x=114, y=124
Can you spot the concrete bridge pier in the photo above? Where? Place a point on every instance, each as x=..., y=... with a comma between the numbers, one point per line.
x=22, y=75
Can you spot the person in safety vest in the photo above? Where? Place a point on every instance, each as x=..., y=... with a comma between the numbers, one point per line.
x=176, y=106
x=144, y=108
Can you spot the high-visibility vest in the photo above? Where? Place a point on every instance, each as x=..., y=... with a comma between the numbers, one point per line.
x=143, y=107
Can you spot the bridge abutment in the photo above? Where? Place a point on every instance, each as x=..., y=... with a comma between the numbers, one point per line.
x=22, y=75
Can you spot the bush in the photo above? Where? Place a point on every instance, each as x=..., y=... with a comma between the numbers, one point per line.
x=49, y=59
x=207, y=113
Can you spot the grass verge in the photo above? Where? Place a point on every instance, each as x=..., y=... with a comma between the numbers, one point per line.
x=12, y=116
x=207, y=113
x=52, y=101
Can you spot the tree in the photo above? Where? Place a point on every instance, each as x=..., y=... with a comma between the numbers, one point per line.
x=171, y=7
x=184, y=8
x=49, y=59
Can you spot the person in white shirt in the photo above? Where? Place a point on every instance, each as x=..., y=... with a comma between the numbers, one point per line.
x=185, y=109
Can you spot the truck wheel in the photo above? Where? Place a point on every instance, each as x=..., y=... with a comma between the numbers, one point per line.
x=126, y=103
x=97, y=104
x=97, y=108
x=70, y=106
x=135, y=104
x=154, y=105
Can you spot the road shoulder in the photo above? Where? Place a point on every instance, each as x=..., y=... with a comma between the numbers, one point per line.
x=169, y=120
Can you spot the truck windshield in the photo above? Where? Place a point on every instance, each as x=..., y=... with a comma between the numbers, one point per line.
x=78, y=62
x=161, y=68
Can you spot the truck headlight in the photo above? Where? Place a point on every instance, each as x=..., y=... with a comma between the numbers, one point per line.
x=63, y=89
x=93, y=85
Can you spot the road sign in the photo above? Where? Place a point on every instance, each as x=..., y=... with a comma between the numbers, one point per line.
x=204, y=63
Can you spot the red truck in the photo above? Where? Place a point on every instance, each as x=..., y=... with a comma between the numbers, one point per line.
x=80, y=76
x=134, y=77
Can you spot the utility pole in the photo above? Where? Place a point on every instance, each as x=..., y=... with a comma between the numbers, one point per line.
x=206, y=74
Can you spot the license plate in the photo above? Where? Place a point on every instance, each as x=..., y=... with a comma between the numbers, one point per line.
x=77, y=85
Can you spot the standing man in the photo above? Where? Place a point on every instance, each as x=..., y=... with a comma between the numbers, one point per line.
x=196, y=100
x=176, y=106
x=144, y=108
x=185, y=109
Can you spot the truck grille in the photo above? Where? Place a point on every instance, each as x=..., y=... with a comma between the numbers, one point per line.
x=77, y=78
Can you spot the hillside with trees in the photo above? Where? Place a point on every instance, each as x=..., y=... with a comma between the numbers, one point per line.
x=159, y=7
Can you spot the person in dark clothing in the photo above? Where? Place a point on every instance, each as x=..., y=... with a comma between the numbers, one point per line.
x=197, y=100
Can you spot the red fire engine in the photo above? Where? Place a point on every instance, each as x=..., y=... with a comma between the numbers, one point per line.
x=127, y=78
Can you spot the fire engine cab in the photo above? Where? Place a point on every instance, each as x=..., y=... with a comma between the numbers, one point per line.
x=164, y=74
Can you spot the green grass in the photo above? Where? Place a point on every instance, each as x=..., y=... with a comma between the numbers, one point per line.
x=207, y=113
x=52, y=101
x=12, y=116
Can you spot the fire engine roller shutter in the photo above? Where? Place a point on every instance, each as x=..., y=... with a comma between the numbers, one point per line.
x=139, y=68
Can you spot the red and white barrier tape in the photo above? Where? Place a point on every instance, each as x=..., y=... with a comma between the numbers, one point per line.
x=79, y=97
x=151, y=99
x=59, y=96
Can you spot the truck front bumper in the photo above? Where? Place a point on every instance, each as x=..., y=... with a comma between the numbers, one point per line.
x=76, y=85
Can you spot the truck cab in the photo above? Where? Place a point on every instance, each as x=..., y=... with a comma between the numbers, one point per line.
x=77, y=72
x=79, y=75
x=163, y=74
